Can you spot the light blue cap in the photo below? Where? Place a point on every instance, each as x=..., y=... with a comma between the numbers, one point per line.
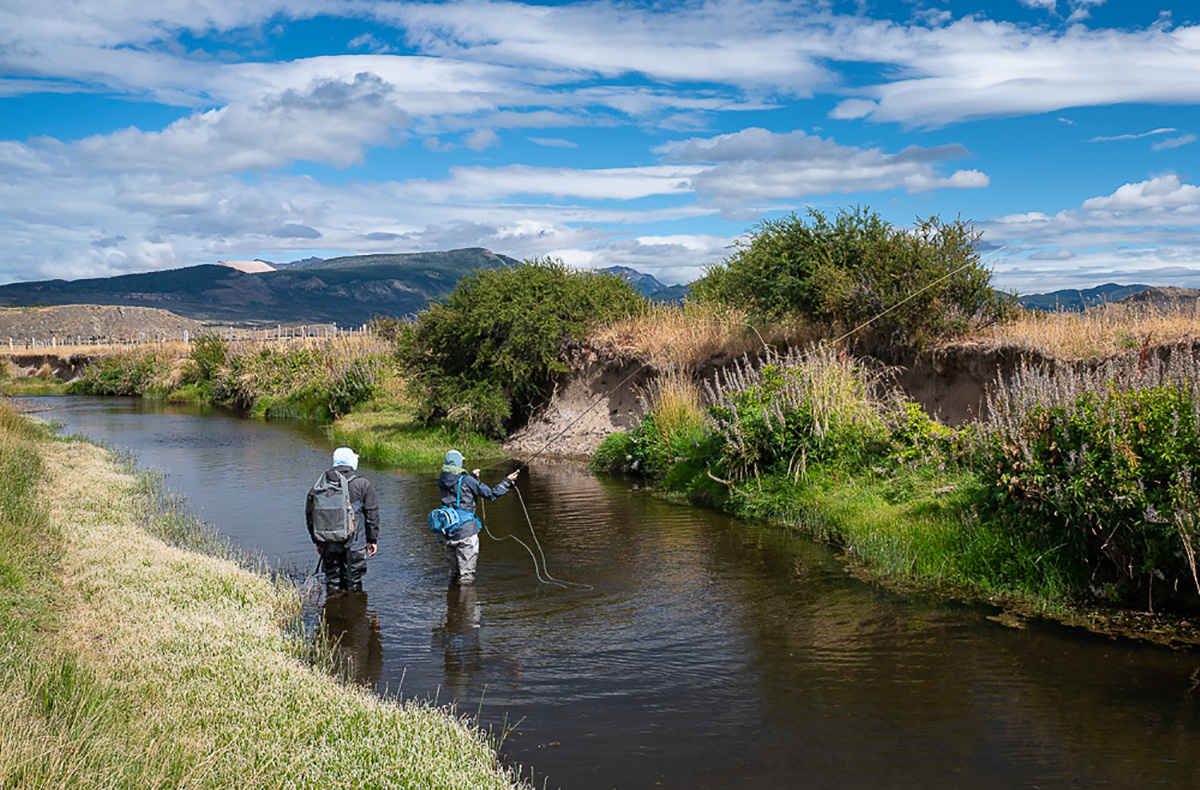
x=454, y=458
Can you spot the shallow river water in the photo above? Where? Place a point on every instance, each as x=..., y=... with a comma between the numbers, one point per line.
x=695, y=651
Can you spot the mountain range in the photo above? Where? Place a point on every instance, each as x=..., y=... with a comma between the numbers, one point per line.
x=348, y=291
x=1075, y=299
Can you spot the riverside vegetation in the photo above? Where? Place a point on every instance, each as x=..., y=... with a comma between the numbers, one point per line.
x=140, y=652
x=1074, y=494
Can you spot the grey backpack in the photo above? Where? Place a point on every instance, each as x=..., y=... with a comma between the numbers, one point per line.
x=332, y=513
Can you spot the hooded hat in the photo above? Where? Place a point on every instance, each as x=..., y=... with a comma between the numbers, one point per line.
x=344, y=456
x=454, y=458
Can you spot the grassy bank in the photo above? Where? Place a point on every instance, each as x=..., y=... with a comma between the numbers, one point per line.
x=302, y=378
x=387, y=429
x=128, y=662
x=1076, y=493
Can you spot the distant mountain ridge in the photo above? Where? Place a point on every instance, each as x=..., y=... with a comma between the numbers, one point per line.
x=347, y=291
x=647, y=285
x=1074, y=299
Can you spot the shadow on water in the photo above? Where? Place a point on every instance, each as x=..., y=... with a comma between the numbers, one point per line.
x=707, y=653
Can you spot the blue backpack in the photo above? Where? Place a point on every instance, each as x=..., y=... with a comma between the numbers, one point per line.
x=446, y=520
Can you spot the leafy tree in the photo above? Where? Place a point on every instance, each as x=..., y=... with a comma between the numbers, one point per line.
x=487, y=355
x=900, y=288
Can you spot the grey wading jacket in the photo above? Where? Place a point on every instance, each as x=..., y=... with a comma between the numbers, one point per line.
x=472, y=490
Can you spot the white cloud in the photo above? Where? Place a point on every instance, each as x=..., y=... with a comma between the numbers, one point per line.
x=481, y=139
x=759, y=165
x=1134, y=234
x=976, y=68
x=672, y=260
x=553, y=142
x=1164, y=192
x=328, y=121
x=370, y=43
x=1151, y=133
x=720, y=42
x=619, y=183
x=1175, y=142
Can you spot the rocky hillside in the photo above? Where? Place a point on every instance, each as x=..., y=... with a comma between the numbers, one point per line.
x=88, y=321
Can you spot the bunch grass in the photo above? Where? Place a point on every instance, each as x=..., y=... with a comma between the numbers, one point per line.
x=1100, y=332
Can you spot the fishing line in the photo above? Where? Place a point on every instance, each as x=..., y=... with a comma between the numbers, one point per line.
x=912, y=296
x=547, y=579
x=312, y=585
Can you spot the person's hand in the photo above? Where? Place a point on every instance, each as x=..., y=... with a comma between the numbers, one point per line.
x=513, y=476
x=371, y=549
x=475, y=473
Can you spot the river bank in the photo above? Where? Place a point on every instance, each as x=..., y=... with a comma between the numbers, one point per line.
x=129, y=662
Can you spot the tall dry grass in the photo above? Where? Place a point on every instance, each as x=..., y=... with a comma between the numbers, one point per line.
x=680, y=337
x=1097, y=333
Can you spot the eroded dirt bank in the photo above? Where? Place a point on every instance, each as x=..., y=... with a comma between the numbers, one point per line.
x=64, y=367
x=603, y=394
x=600, y=396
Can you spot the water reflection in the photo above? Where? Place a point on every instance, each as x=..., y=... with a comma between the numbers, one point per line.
x=351, y=629
x=458, y=637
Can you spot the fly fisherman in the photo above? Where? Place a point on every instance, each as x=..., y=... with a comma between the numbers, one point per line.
x=343, y=522
x=460, y=490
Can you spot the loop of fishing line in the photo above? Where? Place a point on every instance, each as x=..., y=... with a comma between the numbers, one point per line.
x=547, y=579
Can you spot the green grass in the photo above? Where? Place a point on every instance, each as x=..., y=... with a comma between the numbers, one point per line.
x=393, y=436
x=917, y=527
x=28, y=546
x=31, y=385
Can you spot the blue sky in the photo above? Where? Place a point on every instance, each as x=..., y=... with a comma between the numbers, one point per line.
x=142, y=136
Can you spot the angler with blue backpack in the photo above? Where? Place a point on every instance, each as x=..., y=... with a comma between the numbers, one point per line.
x=343, y=520
x=456, y=521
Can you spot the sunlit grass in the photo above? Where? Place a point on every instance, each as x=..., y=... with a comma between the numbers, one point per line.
x=394, y=437
x=672, y=337
x=1099, y=332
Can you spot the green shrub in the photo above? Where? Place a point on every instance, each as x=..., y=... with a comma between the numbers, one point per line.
x=209, y=356
x=1098, y=467
x=794, y=410
x=131, y=373
x=906, y=289
x=488, y=354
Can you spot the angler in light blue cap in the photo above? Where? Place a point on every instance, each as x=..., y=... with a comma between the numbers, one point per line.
x=460, y=490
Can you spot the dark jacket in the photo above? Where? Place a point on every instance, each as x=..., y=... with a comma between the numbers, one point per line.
x=362, y=500
x=464, y=498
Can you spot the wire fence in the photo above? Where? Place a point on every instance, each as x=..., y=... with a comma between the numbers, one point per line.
x=232, y=334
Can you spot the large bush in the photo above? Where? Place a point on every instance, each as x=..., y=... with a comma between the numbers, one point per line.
x=901, y=288
x=488, y=354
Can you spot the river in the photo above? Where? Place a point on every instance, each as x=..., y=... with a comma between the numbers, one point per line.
x=688, y=650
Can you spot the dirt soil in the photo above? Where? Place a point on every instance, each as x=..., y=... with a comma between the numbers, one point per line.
x=601, y=396
x=91, y=321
